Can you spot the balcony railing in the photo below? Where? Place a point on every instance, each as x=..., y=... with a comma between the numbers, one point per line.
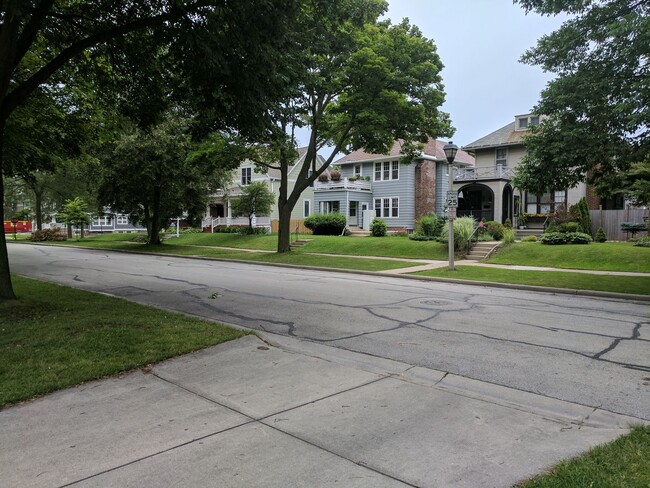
x=494, y=173
x=342, y=184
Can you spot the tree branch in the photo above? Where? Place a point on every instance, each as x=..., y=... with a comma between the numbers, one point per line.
x=30, y=31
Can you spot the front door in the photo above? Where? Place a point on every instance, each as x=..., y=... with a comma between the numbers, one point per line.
x=364, y=206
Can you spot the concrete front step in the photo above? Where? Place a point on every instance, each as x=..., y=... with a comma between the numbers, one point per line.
x=520, y=233
x=482, y=250
x=358, y=232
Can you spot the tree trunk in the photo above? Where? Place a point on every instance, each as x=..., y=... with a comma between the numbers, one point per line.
x=6, y=288
x=154, y=237
x=284, y=227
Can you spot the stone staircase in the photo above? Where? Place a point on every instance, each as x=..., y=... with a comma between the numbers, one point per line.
x=482, y=250
x=299, y=243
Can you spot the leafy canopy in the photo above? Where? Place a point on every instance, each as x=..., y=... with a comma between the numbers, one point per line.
x=598, y=107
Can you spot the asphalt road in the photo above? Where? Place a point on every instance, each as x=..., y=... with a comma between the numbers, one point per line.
x=593, y=352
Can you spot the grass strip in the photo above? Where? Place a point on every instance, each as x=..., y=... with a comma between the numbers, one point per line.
x=606, y=256
x=555, y=279
x=54, y=337
x=296, y=258
x=622, y=463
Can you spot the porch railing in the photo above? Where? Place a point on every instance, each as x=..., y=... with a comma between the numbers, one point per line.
x=343, y=184
x=212, y=222
x=498, y=172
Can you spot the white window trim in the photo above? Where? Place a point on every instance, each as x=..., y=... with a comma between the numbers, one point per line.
x=382, y=164
x=308, y=213
x=354, y=170
x=241, y=175
x=122, y=219
x=390, y=207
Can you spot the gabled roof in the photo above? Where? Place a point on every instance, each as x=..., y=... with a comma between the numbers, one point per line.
x=433, y=150
x=508, y=135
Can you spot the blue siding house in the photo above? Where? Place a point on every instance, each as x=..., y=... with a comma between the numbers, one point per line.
x=395, y=192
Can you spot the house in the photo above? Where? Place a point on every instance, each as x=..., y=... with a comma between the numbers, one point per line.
x=398, y=193
x=219, y=211
x=486, y=191
x=113, y=222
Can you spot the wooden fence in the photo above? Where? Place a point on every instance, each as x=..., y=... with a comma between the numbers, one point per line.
x=295, y=224
x=610, y=221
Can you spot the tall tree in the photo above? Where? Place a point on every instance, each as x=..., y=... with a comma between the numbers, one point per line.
x=157, y=174
x=40, y=37
x=256, y=199
x=361, y=84
x=598, y=107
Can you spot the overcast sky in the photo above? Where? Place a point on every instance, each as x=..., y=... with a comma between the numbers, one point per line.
x=480, y=43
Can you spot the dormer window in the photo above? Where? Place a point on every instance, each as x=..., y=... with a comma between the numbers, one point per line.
x=526, y=121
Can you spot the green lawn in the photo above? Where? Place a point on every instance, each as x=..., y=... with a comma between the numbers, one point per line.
x=556, y=279
x=624, y=463
x=608, y=256
x=53, y=337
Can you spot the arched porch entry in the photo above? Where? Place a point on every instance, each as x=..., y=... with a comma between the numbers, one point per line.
x=476, y=200
x=507, y=204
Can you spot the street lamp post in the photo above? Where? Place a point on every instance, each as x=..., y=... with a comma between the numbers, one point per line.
x=452, y=198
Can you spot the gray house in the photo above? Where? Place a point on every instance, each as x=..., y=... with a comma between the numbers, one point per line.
x=395, y=192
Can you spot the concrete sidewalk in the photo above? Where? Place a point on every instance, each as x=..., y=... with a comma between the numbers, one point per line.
x=286, y=413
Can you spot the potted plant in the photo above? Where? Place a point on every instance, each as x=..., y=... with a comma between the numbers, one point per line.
x=521, y=220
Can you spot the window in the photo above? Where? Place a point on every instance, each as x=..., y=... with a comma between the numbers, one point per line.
x=388, y=170
x=353, y=209
x=527, y=121
x=122, y=219
x=357, y=170
x=502, y=156
x=330, y=207
x=309, y=173
x=102, y=221
x=387, y=207
x=545, y=203
x=306, y=208
x=246, y=175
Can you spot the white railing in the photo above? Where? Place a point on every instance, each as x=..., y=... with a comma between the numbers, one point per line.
x=213, y=222
x=342, y=184
x=492, y=173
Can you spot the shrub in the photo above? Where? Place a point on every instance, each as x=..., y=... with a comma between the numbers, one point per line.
x=633, y=227
x=421, y=237
x=580, y=211
x=378, y=227
x=508, y=236
x=430, y=225
x=508, y=224
x=643, y=242
x=529, y=239
x=600, y=235
x=578, y=238
x=140, y=238
x=331, y=224
x=495, y=230
x=552, y=227
x=228, y=229
x=192, y=230
x=53, y=234
x=570, y=227
x=463, y=228
x=553, y=238
x=250, y=231
x=556, y=238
